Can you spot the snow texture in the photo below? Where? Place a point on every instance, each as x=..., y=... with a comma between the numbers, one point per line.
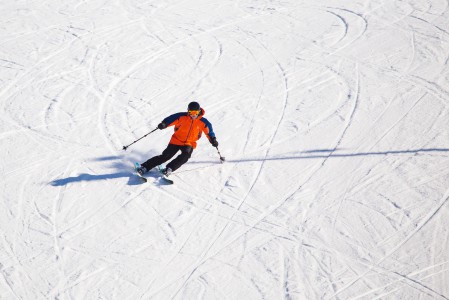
x=333, y=117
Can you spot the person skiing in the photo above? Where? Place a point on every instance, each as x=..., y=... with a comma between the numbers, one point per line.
x=189, y=127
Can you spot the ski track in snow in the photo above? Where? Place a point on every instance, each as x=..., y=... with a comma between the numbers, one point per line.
x=332, y=117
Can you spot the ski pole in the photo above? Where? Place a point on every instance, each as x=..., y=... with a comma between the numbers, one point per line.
x=126, y=147
x=222, y=158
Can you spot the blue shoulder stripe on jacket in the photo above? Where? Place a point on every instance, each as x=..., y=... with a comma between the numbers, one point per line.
x=209, y=126
x=170, y=119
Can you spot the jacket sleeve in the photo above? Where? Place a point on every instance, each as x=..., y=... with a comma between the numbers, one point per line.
x=208, y=130
x=170, y=120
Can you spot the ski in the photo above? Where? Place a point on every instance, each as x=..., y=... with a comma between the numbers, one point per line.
x=136, y=166
x=163, y=176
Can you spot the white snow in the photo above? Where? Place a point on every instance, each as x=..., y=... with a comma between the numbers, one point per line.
x=333, y=117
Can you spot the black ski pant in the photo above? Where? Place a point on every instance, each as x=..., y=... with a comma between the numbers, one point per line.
x=167, y=154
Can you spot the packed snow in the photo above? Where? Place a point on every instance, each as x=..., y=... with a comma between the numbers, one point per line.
x=333, y=117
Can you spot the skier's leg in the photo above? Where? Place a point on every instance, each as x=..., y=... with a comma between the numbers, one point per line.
x=186, y=152
x=167, y=154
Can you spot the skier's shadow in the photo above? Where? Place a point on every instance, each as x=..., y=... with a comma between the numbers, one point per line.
x=133, y=178
x=124, y=170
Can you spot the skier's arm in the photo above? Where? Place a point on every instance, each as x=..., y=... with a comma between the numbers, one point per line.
x=170, y=120
x=209, y=132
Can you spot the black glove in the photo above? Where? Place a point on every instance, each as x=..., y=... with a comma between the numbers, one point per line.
x=213, y=141
x=162, y=125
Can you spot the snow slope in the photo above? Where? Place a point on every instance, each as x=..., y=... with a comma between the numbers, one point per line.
x=333, y=116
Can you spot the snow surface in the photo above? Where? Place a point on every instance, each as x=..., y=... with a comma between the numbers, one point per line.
x=333, y=116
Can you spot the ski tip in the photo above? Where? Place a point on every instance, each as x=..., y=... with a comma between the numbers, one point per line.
x=167, y=181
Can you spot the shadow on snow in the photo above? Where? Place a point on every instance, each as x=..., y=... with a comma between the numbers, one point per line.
x=124, y=170
x=331, y=153
x=320, y=154
x=90, y=177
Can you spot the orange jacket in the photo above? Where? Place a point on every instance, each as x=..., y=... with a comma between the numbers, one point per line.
x=188, y=130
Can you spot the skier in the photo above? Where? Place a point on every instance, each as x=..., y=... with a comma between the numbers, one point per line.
x=188, y=129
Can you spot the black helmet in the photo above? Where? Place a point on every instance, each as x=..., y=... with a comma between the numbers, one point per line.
x=194, y=106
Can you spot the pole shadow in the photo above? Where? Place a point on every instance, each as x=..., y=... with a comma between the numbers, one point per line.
x=330, y=153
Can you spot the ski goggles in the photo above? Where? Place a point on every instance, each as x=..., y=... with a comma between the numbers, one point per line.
x=193, y=112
